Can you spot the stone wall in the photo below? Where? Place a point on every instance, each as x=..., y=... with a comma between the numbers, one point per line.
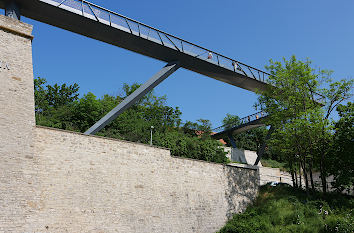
x=57, y=181
x=268, y=174
x=17, y=173
x=93, y=184
x=243, y=156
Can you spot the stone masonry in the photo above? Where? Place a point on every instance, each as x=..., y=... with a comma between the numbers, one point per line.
x=59, y=181
x=17, y=121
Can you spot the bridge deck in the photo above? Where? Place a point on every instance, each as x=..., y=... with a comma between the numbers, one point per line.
x=244, y=124
x=101, y=24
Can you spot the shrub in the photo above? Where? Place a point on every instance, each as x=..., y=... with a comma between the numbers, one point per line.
x=286, y=209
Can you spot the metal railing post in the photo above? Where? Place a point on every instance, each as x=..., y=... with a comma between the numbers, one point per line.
x=12, y=10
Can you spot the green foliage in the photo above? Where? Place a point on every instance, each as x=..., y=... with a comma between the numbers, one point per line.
x=285, y=209
x=55, y=102
x=303, y=135
x=342, y=147
x=188, y=146
x=249, y=140
x=273, y=163
x=53, y=96
x=231, y=120
x=60, y=107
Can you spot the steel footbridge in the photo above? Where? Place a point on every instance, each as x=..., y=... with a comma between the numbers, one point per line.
x=96, y=22
x=93, y=21
x=240, y=125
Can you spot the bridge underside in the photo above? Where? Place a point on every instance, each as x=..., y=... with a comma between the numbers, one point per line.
x=47, y=11
x=240, y=128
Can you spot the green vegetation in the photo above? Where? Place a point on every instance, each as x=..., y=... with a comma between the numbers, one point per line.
x=343, y=148
x=285, y=209
x=274, y=164
x=305, y=137
x=60, y=106
x=248, y=140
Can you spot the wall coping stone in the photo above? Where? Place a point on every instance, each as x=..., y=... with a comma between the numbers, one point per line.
x=142, y=144
x=101, y=137
x=15, y=26
x=241, y=165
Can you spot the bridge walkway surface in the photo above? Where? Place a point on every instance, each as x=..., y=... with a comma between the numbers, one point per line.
x=96, y=22
x=244, y=124
x=90, y=20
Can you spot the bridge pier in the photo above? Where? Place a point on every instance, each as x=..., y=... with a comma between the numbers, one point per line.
x=261, y=151
x=232, y=140
x=12, y=10
x=135, y=96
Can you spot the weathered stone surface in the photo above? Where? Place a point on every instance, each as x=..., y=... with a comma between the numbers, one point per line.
x=17, y=173
x=96, y=184
x=57, y=181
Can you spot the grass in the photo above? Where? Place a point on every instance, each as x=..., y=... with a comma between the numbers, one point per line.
x=273, y=163
x=285, y=209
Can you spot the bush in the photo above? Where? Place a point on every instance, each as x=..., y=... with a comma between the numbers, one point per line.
x=273, y=163
x=336, y=223
x=286, y=209
x=183, y=145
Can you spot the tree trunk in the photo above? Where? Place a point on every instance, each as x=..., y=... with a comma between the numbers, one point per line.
x=322, y=165
x=323, y=177
x=296, y=182
x=305, y=175
x=292, y=172
x=311, y=177
x=300, y=175
x=292, y=176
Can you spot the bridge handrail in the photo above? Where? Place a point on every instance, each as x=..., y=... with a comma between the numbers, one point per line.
x=244, y=120
x=255, y=116
x=234, y=65
x=231, y=64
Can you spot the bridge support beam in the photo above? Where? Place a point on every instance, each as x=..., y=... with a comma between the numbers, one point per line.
x=232, y=140
x=135, y=96
x=12, y=10
x=261, y=151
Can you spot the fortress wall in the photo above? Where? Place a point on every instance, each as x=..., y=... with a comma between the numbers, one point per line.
x=93, y=184
x=57, y=181
x=17, y=172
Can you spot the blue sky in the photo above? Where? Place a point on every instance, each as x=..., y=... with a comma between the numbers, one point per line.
x=250, y=31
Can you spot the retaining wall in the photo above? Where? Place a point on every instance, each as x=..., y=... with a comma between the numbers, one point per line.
x=58, y=181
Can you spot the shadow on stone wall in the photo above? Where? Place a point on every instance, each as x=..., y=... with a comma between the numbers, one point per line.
x=242, y=188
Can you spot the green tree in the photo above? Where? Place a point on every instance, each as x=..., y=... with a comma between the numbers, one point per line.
x=54, y=104
x=185, y=145
x=59, y=106
x=250, y=139
x=342, y=163
x=302, y=126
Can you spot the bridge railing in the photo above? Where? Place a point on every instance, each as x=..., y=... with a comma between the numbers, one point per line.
x=318, y=98
x=239, y=122
x=142, y=30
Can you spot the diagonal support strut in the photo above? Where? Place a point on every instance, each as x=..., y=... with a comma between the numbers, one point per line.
x=232, y=140
x=262, y=149
x=135, y=96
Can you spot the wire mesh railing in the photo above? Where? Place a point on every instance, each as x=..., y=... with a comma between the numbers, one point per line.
x=239, y=122
x=115, y=20
x=136, y=28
